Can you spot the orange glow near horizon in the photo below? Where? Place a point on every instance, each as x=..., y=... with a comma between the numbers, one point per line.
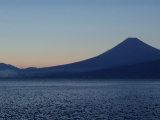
x=43, y=63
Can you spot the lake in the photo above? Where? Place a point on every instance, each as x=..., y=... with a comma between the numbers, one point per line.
x=57, y=99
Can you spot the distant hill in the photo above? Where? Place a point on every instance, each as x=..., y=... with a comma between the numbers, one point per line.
x=132, y=58
x=7, y=70
x=4, y=66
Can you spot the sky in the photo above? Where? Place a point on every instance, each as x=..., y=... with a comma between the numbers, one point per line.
x=41, y=33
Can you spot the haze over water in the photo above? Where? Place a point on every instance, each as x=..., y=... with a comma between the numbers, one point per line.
x=46, y=99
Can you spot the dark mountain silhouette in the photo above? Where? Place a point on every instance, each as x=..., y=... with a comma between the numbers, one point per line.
x=145, y=70
x=127, y=59
x=130, y=51
x=140, y=71
x=4, y=66
x=7, y=70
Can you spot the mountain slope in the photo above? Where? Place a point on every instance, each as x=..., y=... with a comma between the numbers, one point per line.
x=143, y=70
x=7, y=70
x=130, y=51
x=4, y=66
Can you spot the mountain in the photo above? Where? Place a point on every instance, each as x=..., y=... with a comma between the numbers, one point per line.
x=7, y=70
x=127, y=59
x=4, y=66
x=130, y=51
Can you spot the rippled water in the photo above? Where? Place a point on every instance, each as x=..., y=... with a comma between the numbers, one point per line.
x=79, y=99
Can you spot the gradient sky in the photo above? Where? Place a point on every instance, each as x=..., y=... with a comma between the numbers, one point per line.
x=41, y=33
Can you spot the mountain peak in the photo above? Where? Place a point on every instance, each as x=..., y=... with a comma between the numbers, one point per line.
x=133, y=40
x=132, y=43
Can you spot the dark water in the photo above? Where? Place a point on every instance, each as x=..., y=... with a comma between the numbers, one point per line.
x=79, y=99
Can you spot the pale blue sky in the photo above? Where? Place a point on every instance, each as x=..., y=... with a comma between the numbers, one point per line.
x=51, y=32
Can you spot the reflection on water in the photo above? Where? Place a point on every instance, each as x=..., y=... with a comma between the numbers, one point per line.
x=79, y=99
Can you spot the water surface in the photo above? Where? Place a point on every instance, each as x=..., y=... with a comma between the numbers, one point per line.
x=51, y=99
